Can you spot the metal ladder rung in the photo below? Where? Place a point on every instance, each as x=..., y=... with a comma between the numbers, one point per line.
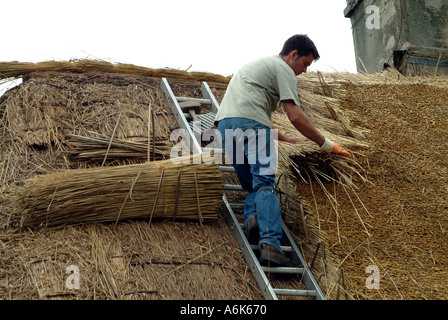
x=254, y=246
x=185, y=99
x=217, y=150
x=233, y=187
x=226, y=169
x=284, y=248
x=294, y=292
x=282, y=270
x=237, y=206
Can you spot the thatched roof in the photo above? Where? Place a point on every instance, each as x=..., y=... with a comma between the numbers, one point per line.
x=345, y=214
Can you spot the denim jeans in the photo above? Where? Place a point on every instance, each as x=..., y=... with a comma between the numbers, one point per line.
x=249, y=146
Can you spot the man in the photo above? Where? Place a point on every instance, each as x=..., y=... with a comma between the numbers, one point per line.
x=244, y=121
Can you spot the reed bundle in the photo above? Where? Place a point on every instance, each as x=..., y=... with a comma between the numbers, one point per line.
x=16, y=69
x=151, y=190
x=101, y=149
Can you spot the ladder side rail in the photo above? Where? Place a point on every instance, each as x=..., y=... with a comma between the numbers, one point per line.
x=208, y=94
x=308, y=278
x=179, y=115
x=249, y=255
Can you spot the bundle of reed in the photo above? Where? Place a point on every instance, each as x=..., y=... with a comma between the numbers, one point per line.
x=158, y=189
x=16, y=69
x=102, y=149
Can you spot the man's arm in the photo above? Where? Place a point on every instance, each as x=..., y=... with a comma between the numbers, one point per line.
x=282, y=137
x=302, y=123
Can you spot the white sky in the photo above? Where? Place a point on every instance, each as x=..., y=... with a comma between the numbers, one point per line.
x=208, y=35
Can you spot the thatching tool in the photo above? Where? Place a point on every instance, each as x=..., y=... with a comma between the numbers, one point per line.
x=191, y=107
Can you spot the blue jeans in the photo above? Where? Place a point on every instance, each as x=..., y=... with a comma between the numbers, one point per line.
x=250, y=148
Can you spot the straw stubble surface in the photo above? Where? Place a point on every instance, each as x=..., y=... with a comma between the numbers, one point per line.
x=401, y=226
x=131, y=260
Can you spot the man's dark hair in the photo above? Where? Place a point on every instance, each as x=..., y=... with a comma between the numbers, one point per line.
x=302, y=44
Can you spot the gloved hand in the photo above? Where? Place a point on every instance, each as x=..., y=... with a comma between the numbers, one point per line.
x=338, y=149
x=334, y=147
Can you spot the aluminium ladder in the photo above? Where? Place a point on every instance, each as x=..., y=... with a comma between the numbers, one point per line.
x=249, y=252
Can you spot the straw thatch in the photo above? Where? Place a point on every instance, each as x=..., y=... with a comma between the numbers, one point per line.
x=383, y=207
x=43, y=111
x=16, y=69
x=131, y=260
x=394, y=216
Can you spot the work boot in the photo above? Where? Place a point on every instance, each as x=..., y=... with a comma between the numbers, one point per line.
x=271, y=257
x=253, y=231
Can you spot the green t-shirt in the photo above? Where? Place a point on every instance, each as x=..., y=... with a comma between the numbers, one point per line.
x=255, y=91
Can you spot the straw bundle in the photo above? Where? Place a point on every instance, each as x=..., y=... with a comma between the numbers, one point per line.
x=16, y=69
x=100, y=149
x=151, y=190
